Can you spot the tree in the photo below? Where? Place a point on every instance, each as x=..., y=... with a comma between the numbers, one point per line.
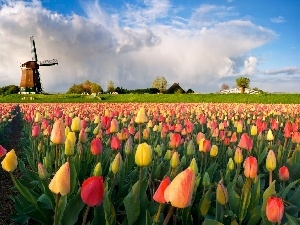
x=76, y=89
x=224, y=87
x=110, y=86
x=10, y=89
x=95, y=88
x=243, y=83
x=160, y=83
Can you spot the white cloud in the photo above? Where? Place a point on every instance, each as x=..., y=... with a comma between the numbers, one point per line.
x=283, y=71
x=126, y=47
x=279, y=19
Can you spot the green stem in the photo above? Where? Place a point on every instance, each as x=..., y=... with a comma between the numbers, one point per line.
x=169, y=215
x=56, y=157
x=158, y=213
x=140, y=133
x=270, y=178
x=56, y=209
x=85, y=215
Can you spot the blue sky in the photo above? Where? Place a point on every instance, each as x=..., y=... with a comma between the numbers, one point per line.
x=198, y=44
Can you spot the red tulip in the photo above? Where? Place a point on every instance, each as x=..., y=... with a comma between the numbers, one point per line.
x=115, y=143
x=250, y=167
x=96, y=146
x=92, y=191
x=159, y=194
x=35, y=131
x=274, y=209
x=2, y=151
x=105, y=123
x=246, y=142
x=283, y=173
x=175, y=140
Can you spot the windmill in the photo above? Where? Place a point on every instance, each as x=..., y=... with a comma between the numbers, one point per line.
x=30, y=79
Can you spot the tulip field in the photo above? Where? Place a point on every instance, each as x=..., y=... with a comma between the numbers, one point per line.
x=154, y=163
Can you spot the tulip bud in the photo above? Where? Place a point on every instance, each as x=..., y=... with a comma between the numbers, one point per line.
x=283, y=173
x=72, y=137
x=229, y=152
x=230, y=164
x=96, y=146
x=214, y=151
x=60, y=183
x=239, y=128
x=128, y=146
x=114, y=126
x=250, y=167
x=69, y=147
x=271, y=161
x=2, y=151
x=206, y=180
x=184, y=184
x=175, y=161
x=238, y=156
x=10, y=161
x=253, y=131
x=143, y=154
x=159, y=193
x=222, y=194
x=82, y=136
x=75, y=125
x=58, y=132
x=270, y=136
x=96, y=119
x=190, y=148
x=141, y=116
x=274, y=209
x=193, y=166
x=116, y=165
x=168, y=155
x=92, y=191
x=43, y=174
x=97, y=170
x=96, y=130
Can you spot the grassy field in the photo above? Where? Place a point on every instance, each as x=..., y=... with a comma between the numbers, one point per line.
x=217, y=98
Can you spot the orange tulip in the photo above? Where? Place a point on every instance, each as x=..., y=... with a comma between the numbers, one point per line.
x=159, y=194
x=250, y=167
x=179, y=192
x=175, y=140
x=274, y=209
x=58, y=132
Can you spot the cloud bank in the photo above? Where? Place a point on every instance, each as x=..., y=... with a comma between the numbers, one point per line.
x=131, y=46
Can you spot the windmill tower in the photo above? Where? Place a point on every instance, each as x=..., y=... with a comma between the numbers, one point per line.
x=30, y=79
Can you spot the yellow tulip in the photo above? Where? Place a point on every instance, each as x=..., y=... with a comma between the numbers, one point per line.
x=60, y=183
x=271, y=161
x=141, y=116
x=10, y=162
x=117, y=163
x=143, y=155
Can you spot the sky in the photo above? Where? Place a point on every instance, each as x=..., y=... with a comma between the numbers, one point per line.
x=198, y=44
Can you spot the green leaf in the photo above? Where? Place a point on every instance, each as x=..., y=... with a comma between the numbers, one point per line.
x=262, y=156
x=44, y=202
x=291, y=220
x=288, y=188
x=211, y=222
x=295, y=198
x=245, y=200
x=132, y=203
x=73, y=176
x=234, y=199
x=255, y=195
x=205, y=202
x=109, y=210
x=255, y=216
x=72, y=210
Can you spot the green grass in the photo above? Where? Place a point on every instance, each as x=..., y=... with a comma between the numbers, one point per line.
x=192, y=98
